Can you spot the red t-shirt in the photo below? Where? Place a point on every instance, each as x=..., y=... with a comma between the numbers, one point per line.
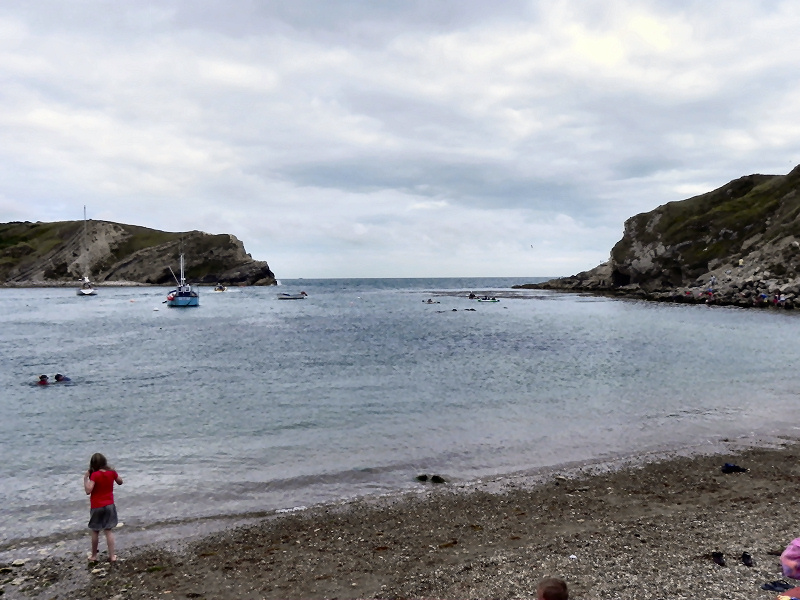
x=103, y=491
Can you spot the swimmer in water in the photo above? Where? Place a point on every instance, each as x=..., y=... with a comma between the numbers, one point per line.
x=42, y=380
x=62, y=378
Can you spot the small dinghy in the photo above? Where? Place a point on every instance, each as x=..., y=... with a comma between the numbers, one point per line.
x=287, y=296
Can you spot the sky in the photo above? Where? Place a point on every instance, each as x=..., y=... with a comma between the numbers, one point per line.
x=381, y=138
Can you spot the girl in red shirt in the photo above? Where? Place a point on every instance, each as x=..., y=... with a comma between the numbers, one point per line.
x=98, y=482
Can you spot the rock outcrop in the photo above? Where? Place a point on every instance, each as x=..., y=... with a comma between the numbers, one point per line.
x=55, y=254
x=739, y=244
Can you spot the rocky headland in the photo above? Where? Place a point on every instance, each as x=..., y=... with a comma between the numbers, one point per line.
x=736, y=245
x=44, y=254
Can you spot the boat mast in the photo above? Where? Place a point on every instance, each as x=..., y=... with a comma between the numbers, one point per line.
x=85, y=249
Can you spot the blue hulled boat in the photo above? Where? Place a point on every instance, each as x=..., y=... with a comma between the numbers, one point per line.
x=183, y=295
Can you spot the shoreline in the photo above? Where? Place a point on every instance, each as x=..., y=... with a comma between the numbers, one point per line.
x=176, y=529
x=693, y=295
x=642, y=527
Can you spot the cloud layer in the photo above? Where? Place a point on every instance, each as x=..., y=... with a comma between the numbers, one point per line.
x=377, y=139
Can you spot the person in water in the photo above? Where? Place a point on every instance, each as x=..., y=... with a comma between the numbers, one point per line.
x=62, y=378
x=98, y=483
x=43, y=380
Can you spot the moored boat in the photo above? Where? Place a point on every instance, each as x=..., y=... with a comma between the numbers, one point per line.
x=86, y=289
x=183, y=295
x=287, y=296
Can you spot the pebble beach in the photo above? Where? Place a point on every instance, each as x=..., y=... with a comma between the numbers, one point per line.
x=644, y=529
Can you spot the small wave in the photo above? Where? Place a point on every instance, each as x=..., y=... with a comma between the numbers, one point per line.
x=282, y=511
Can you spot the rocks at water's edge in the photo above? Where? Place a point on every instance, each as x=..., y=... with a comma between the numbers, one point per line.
x=737, y=245
x=55, y=254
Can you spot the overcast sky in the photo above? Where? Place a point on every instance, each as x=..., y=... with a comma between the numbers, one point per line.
x=392, y=138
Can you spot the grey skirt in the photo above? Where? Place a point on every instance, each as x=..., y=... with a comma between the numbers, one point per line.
x=103, y=518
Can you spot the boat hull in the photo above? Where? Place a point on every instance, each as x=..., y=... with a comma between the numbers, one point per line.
x=285, y=296
x=181, y=299
x=184, y=301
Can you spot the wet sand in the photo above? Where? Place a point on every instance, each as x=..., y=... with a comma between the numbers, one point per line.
x=642, y=531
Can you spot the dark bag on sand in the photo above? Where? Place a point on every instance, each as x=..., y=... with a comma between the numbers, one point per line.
x=790, y=559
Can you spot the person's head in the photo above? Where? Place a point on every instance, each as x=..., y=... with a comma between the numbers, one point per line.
x=97, y=462
x=59, y=377
x=552, y=588
x=42, y=377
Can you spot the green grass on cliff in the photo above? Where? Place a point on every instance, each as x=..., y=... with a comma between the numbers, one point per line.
x=22, y=244
x=48, y=249
x=43, y=237
x=141, y=238
x=714, y=225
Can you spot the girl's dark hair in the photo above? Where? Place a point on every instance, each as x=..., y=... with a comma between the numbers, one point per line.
x=97, y=462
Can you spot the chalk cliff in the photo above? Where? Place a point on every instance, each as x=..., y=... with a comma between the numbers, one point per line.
x=741, y=242
x=55, y=254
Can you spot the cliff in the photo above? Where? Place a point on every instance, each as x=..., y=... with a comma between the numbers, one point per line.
x=55, y=253
x=740, y=242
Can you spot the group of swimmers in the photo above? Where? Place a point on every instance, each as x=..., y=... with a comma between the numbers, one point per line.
x=45, y=380
x=472, y=296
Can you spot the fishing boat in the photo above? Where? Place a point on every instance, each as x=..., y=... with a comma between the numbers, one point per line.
x=287, y=296
x=86, y=289
x=183, y=295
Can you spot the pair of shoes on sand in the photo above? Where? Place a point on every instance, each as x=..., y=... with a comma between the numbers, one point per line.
x=719, y=558
x=777, y=586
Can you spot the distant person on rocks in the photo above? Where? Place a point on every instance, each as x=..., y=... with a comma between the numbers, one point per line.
x=552, y=588
x=62, y=378
x=98, y=482
x=43, y=380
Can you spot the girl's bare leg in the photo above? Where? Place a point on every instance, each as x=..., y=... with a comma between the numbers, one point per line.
x=95, y=541
x=111, y=545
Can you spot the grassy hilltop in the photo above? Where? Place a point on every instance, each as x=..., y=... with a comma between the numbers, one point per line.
x=55, y=253
x=740, y=240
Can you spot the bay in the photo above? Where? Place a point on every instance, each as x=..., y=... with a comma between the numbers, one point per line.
x=249, y=403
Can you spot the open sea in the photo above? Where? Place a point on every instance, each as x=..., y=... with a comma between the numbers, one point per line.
x=251, y=404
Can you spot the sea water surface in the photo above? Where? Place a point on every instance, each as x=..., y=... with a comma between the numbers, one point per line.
x=248, y=403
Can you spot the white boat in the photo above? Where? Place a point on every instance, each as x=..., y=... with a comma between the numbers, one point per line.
x=220, y=288
x=183, y=295
x=286, y=296
x=86, y=289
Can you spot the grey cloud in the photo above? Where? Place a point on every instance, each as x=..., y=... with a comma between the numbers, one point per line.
x=188, y=111
x=470, y=184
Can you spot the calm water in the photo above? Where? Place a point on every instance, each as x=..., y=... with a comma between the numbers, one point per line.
x=250, y=403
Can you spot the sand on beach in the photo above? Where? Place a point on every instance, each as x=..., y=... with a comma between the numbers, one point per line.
x=643, y=531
